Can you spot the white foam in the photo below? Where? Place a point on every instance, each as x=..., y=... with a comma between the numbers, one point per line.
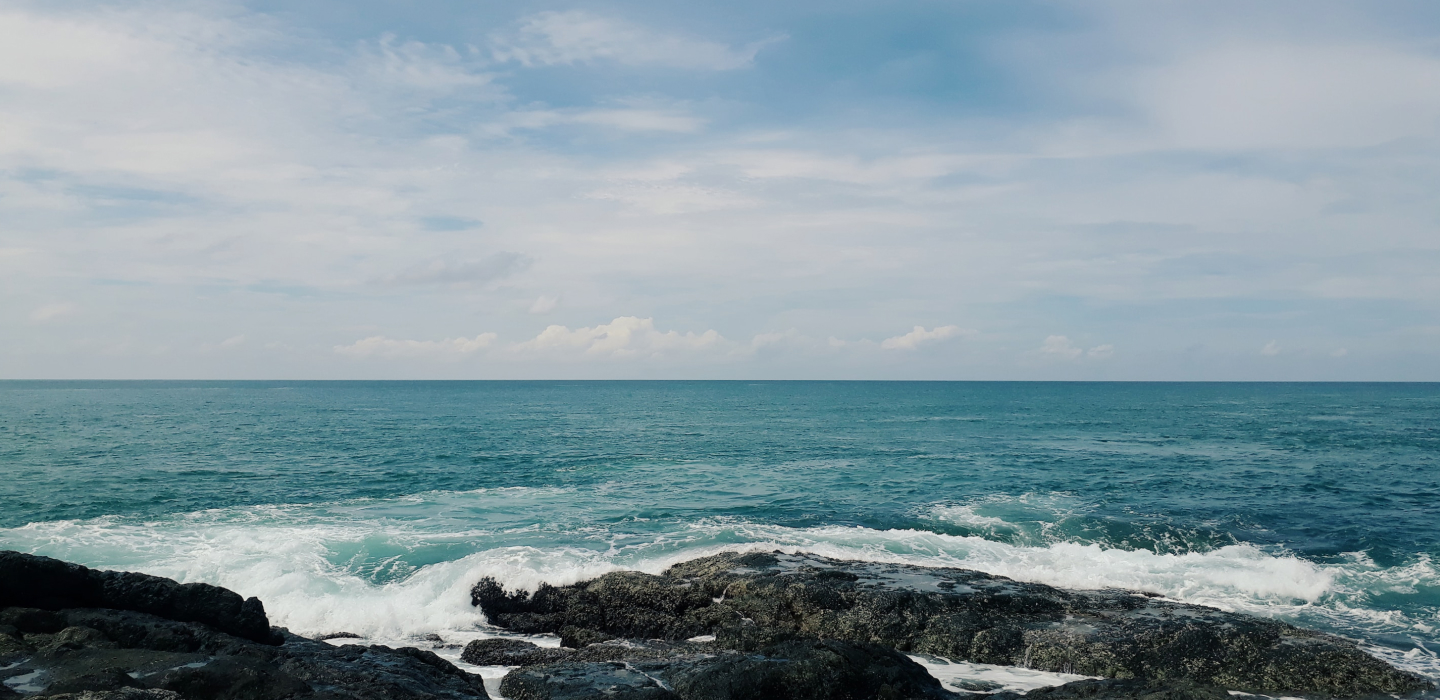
x=422, y=553
x=966, y=515
x=953, y=674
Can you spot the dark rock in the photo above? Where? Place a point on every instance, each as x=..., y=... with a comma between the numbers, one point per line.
x=147, y=638
x=599, y=680
x=12, y=643
x=808, y=670
x=760, y=600
x=32, y=620
x=510, y=652
x=799, y=669
x=1122, y=689
x=110, y=678
x=378, y=672
x=113, y=649
x=33, y=581
x=976, y=686
x=339, y=635
x=119, y=694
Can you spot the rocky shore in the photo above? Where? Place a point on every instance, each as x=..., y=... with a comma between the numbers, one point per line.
x=79, y=634
x=727, y=627
x=805, y=626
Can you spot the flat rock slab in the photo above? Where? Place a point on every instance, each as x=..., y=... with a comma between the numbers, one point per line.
x=752, y=602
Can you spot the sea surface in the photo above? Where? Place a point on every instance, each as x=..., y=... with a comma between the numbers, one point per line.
x=371, y=507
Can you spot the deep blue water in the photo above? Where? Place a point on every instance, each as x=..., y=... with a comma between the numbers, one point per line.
x=1317, y=503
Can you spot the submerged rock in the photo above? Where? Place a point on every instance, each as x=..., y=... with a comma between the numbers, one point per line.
x=759, y=601
x=92, y=652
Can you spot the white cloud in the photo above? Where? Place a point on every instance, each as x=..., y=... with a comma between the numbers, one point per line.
x=910, y=340
x=544, y=304
x=1270, y=349
x=623, y=337
x=1060, y=346
x=233, y=341
x=185, y=170
x=429, y=67
x=450, y=348
x=576, y=36
x=50, y=312
x=1101, y=352
x=1339, y=352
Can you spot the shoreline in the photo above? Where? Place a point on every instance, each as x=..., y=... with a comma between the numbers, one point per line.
x=767, y=619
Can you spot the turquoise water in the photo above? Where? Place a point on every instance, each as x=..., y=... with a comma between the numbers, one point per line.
x=371, y=507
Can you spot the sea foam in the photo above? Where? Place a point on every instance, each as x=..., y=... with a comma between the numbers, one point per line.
x=324, y=568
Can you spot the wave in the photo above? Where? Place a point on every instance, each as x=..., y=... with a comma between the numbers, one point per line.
x=394, y=569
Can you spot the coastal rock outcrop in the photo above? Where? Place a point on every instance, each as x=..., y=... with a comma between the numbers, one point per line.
x=97, y=635
x=756, y=602
x=797, y=669
x=50, y=584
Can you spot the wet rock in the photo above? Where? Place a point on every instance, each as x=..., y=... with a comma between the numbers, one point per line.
x=119, y=694
x=808, y=669
x=976, y=686
x=115, y=649
x=209, y=649
x=755, y=601
x=1118, y=689
x=31, y=581
x=111, y=678
x=510, y=652
x=799, y=669
x=599, y=680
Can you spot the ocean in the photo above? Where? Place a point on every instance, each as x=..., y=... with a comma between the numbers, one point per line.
x=371, y=507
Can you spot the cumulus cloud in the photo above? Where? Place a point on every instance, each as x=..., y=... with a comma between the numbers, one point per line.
x=914, y=338
x=1270, y=349
x=623, y=337
x=50, y=312
x=1060, y=346
x=474, y=272
x=450, y=348
x=233, y=341
x=577, y=36
x=1101, y=352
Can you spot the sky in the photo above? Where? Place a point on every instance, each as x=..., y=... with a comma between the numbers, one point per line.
x=470, y=189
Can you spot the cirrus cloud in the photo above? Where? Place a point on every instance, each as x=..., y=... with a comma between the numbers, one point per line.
x=576, y=36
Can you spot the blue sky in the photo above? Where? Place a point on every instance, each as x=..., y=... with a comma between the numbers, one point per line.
x=956, y=190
